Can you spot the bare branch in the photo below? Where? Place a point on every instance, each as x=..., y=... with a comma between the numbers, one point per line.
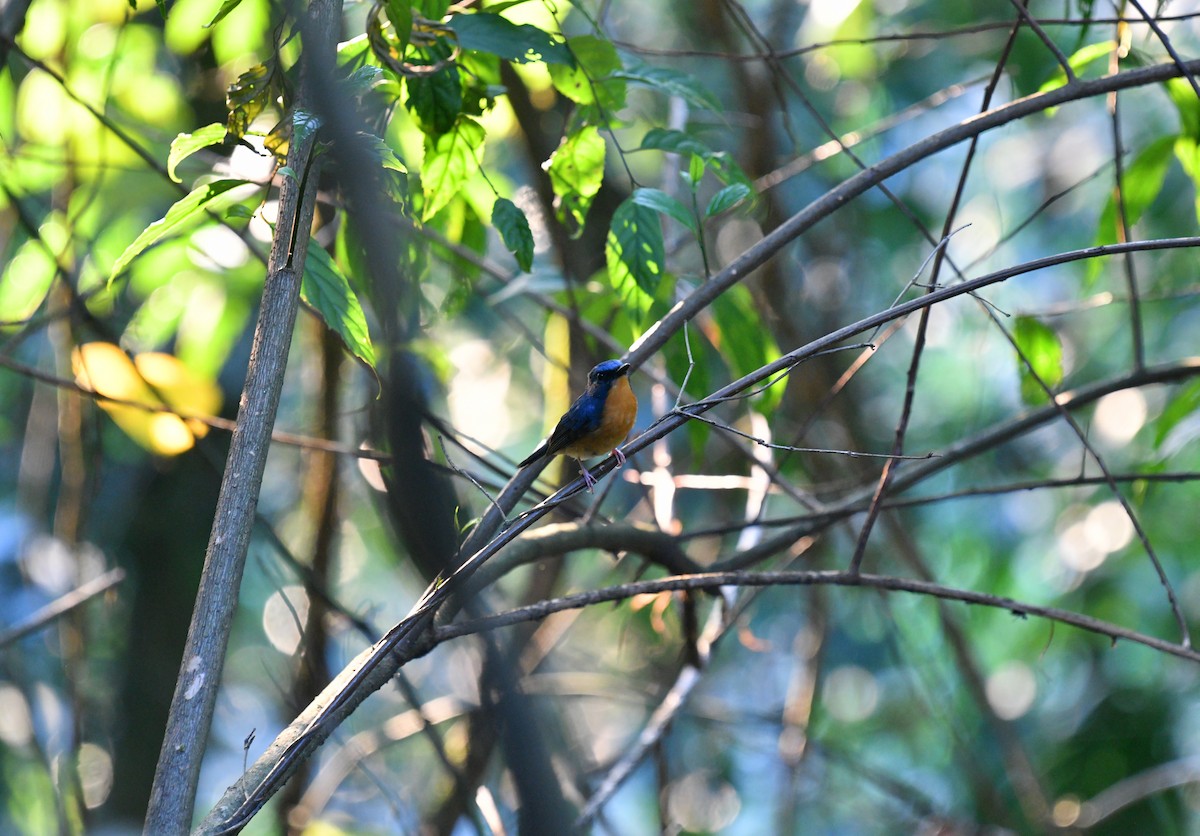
x=61, y=606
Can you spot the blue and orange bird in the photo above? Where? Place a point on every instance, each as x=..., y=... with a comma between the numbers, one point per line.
x=597, y=422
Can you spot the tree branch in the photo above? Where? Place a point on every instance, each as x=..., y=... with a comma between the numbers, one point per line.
x=658, y=333
x=173, y=795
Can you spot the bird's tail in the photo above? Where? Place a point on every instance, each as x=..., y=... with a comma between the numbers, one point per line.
x=535, y=455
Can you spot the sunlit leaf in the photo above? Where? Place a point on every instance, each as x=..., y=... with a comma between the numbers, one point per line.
x=664, y=204
x=226, y=7
x=510, y=41
x=576, y=171
x=727, y=198
x=449, y=160
x=1081, y=59
x=1183, y=404
x=513, y=227
x=1042, y=348
x=187, y=211
x=247, y=97
x=1187, y=151
x=326, y=290
x=1143, y=178
x=634, y=253
x=26, y=280
x=154, y=380
x=591, y=78
x=184, y=145
x=1142, y=181
x=383, y=154
x=1188, y=106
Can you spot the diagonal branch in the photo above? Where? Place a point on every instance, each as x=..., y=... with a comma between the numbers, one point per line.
x=658, y=333
x=412, y=637
x=887, y=583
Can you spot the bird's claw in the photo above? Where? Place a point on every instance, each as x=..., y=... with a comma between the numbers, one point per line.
x=619, y=455
x=589, y=481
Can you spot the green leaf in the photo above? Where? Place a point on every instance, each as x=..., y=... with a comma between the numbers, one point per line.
x=634, y=253
x=664, y=204
x=695, y=172
x=399, y=12
x=1187, y=151
x=432, y=9
x=25, y=281
x=226, y=7
x=513, y=227
x=1142, y=181
x=436, y=100
x=363, y=79
x=304, y=124
x=326, y=290
x=385, y=157
x=576, y=171
x=449, y=160
x=671, y=83
x=184, y=213
x=743, y=341
x=1184, y=404
x=512, y=42
x=727, y=170
x=702, y=157
x=727, y=198
x=184, y=145
x=1042, y=348
x=677, y=142
x=1184, y=98
x=591, y=78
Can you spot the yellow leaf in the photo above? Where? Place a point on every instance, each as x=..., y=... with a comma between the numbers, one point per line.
x=152, y=380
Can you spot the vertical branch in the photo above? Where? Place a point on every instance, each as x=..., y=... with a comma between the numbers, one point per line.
x=885, y=476
x=320, y=498
x=173, y=794
x=1122, y=214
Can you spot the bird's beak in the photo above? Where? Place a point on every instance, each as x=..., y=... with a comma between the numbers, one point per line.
x=623, y=368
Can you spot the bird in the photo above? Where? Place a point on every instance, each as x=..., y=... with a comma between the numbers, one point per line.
x=597, y=422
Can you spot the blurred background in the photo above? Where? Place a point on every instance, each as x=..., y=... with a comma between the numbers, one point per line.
x=819, y=709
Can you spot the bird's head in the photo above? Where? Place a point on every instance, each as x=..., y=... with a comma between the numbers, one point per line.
x=607, y=372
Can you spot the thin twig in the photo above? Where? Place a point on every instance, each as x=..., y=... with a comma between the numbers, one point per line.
x=715, y=580
x=61, y=606
x=762, y=442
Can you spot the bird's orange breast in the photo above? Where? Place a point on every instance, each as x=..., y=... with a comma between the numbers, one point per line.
x=620, y=411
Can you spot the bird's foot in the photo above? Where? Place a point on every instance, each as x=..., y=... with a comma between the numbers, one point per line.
x=620, y=456
x=589, y=480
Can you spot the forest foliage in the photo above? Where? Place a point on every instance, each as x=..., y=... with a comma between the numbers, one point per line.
x=904, y=539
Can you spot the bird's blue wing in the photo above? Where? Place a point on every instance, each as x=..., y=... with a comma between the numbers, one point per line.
x=582, y=419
